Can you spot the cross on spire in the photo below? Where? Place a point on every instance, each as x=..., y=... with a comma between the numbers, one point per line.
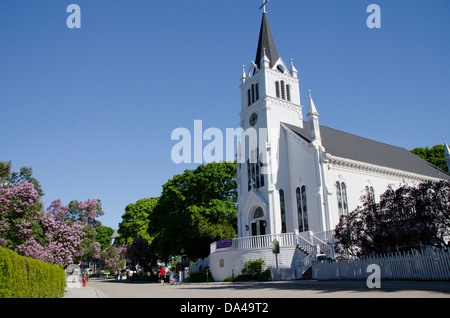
x=264, y=5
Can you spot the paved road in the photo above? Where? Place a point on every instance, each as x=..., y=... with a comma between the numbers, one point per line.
x=286, y=289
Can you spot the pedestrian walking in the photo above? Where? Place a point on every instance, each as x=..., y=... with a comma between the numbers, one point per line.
x=171, y=276
x=162, y=274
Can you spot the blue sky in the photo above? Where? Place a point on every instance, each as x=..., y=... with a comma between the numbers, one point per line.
x=92, y=109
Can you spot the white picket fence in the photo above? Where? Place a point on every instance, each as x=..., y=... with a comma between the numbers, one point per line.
x=426, y=265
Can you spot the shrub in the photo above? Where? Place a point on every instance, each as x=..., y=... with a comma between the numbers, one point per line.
x=23, y=277
x=252, y=271
x=200, y=277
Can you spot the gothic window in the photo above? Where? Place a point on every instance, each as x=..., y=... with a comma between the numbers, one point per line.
x=305, y=209
x=257, y=175
x=302, y=209
x=283, y=90
x=370, y=192
x=259, y=213
x=277, y=89
x=341, y=192
x=339, y=198
x=253, y=93
x=249, y=175
x=254, y=171
x=262, y=174
x=253, y=119
x=283, y=211
x=344, y=198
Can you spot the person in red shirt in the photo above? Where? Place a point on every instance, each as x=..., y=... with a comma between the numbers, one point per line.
x=162, y=274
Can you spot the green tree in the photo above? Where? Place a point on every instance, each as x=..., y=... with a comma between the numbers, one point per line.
x=195, y=209
x=26, y=174
x=434, y=155
x=103, y=235
x=135, y=220
x=5, y=173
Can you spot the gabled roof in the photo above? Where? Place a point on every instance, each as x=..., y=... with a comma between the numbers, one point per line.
x=345, y=145
x=266, y=42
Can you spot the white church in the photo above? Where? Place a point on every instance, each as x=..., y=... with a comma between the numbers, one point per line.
x=297, y=183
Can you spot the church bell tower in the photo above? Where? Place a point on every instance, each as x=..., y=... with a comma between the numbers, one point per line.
x=270, y=97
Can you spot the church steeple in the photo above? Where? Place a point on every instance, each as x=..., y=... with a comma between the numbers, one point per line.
x=266, y=44
x=447, y=154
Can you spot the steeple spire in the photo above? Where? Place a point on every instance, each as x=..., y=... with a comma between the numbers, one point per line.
x=266, y=42
x=313, y=118
x=447, y=153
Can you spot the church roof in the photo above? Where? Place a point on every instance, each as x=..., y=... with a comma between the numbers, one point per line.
x=266, y=42
x=349, y=146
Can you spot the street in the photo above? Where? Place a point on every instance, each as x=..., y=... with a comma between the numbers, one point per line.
x=285, y=289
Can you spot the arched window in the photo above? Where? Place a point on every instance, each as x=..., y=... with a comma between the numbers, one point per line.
x=341, y=192
x=259, y=213
x=344, y=198
x=254, y=170
x=283, y=211
x=249, y=175
x=305, y=209
x=339, y=197
x=262, y=173
x=253, y=93
x=370, y=192
x=302, y=209
x=283, y=90
x=277, y=89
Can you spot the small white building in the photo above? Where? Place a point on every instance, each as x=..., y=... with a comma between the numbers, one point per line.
x=300, y=177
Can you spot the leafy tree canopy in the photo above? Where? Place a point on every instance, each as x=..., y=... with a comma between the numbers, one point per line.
x=404, y=219
x=434, y=155
x=135, y=220
x=195, y=209
x=103, y=235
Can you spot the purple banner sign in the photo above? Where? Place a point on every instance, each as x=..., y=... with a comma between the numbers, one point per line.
x=224, y=243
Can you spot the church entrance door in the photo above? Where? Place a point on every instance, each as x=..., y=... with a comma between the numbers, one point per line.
x=258, y=228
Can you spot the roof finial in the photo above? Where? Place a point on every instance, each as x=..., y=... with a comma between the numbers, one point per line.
x=264, y=5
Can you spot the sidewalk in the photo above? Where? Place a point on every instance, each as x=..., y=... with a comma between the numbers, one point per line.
x=83, y=292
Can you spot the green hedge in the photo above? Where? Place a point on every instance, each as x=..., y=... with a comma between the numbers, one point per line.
x=23, y=277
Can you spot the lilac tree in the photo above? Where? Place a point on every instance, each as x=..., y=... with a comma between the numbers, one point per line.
x=61, y=235
x=112, y=258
